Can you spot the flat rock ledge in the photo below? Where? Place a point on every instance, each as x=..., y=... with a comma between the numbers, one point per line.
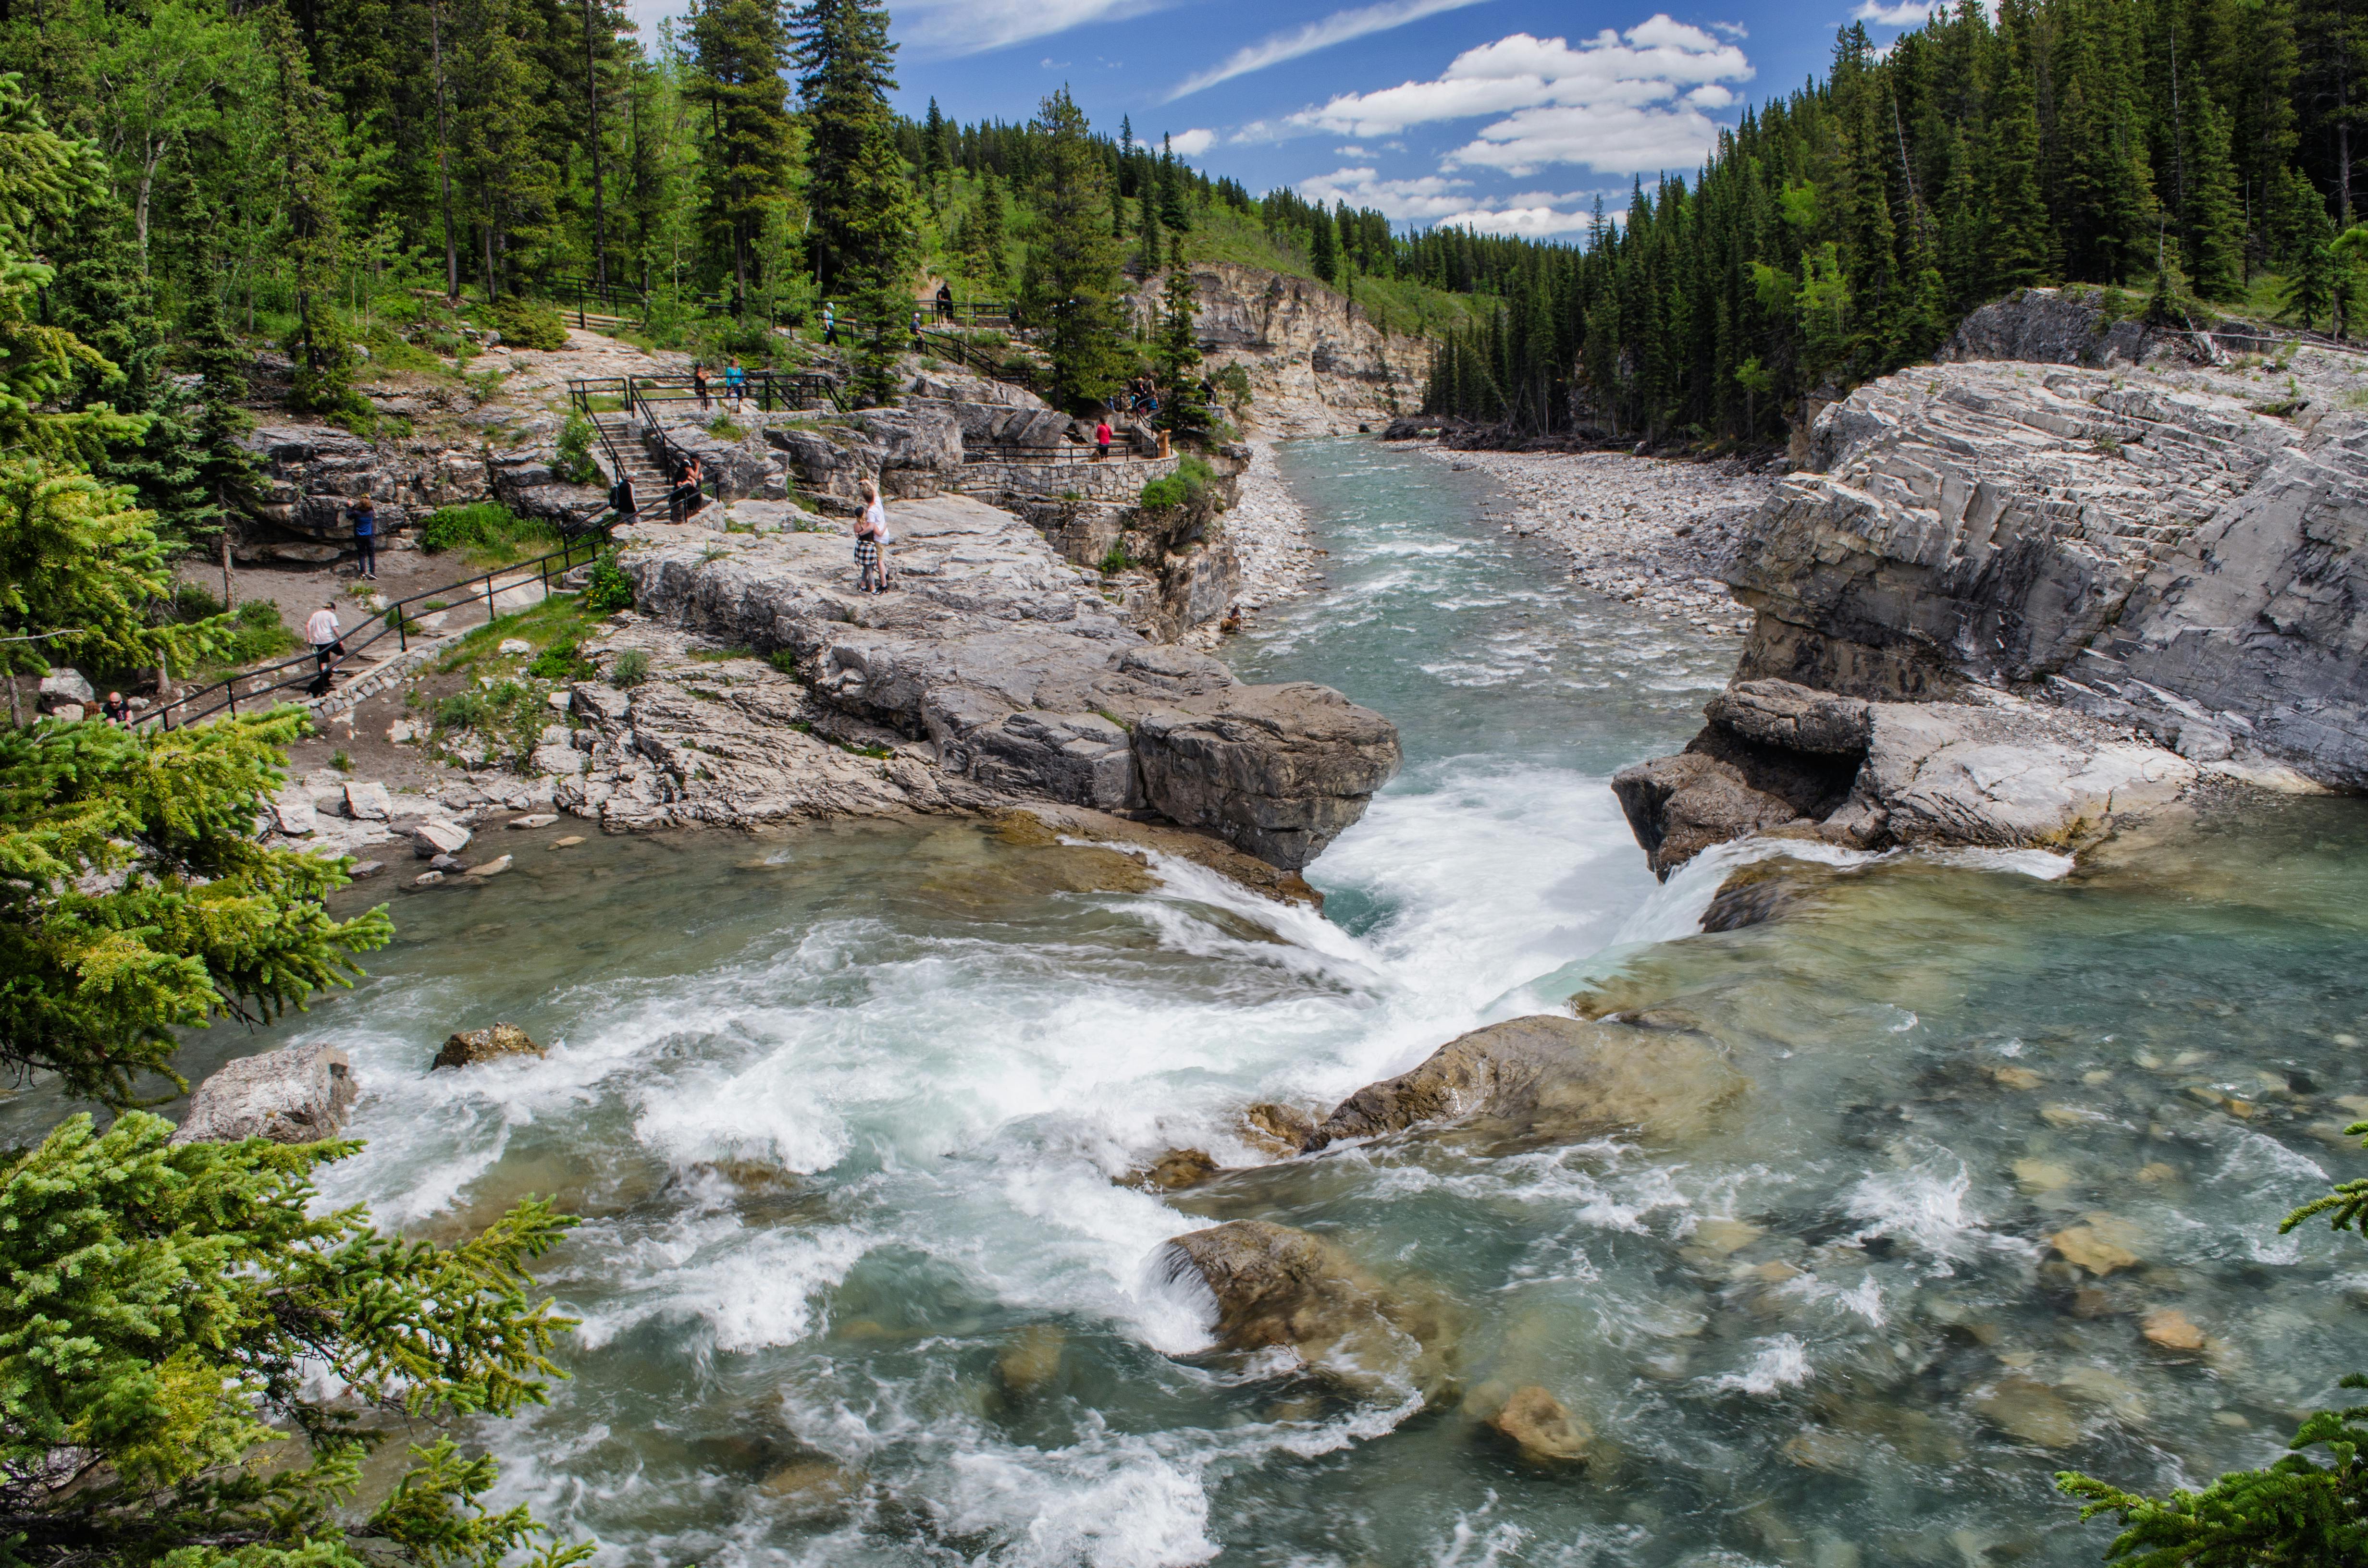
x=1993, y=770
x=300, y=1095
x=994, y=674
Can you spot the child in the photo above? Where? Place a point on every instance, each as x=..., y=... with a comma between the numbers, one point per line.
x=868, y=529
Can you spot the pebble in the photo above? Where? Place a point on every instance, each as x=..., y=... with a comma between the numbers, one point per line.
x=2042, y=1176
x=1269, y=530
x=362, y=868
x=427, y=878
x=558, y=700
x=1725, y=1236
x=2157, y=1171
x=570, y=842
x=1645, y=530
x=514, y=645
x=539, y=819
x=2016, y=1077
x=2100, y=1247
x=2066, y=1116
x=492, y=868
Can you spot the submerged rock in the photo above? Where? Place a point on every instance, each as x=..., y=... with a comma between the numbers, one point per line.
x=1276, y=1129
x=1279, y=1287
x=1542, y=1427
x=486, y=1045
x=2029, y=1410
x=1549, y=1076
x=300, y=1095
x=1031, y=1359
x=1175, y=1170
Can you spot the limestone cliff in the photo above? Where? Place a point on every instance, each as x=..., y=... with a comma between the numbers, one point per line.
x=2048, y=592
x=1317, y=363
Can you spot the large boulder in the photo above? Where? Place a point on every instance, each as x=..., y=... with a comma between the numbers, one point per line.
x=1997, y=772
x=300, y=1095
x=1280, y=771
x=733, y=468
x=1278, y=1286
x=1547, y=1077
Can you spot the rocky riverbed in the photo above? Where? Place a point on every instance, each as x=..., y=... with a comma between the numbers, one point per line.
x=1644, y=530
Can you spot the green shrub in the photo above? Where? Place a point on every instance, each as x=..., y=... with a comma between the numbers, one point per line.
x=524, y=324
x=575, y=462
x=1232, y=384
x=722, y=427
x=632, y=668
x=1191, y=477
x=561, y=661
x=783, y=660
x=607, y=590
x=1117, y=560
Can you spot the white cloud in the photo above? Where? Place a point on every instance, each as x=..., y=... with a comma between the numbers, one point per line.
x=1731, y=30
x=1543, y=220
x=1193, y=143
x=1351, y=150
x=1337, y=28
x=1430, y=196
x=1617, y=102
x=1906, y=13
x=944, y=28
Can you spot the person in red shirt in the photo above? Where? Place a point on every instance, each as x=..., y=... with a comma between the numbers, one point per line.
x=1102, y=438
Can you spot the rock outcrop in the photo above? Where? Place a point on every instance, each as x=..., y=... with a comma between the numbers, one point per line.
x=1279, y=1287
x=1011, y=676
x=1317, y=365
x=300, y=1095
x=2043, y=581
x=1550, y=1077
x=1991, y=770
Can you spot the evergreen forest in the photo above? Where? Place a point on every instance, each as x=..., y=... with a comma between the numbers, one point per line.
x=2186, y=154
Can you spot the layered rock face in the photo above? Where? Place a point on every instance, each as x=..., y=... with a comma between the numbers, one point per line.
x=1982, y=522
x=2035, y=578
x=1317, y=365
x=1017, y=678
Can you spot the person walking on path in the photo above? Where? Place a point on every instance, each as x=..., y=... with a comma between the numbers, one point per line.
x=365, y=520
x=1102, y=438
x=945, y=302
x=917, y=345
x=698, y=385
x=327, y=640
x=829, y=325
x=735, y=384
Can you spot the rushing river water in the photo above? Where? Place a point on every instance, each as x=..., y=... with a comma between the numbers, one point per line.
x=843, y=1109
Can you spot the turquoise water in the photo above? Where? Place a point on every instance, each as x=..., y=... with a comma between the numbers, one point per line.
x=844, y=1109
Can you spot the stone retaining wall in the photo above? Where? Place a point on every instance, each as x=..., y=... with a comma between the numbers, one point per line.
x=1115, y=478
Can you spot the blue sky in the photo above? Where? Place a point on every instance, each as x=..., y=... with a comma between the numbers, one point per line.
x=1506, y=116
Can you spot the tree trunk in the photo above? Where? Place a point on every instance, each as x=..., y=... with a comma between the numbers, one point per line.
x=229, y=594
x=140, y=202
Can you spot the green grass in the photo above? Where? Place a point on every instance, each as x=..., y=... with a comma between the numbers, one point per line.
x=561, y=621
x=487, y=533
x=256, y=634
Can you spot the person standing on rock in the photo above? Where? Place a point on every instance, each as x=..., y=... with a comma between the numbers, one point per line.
x=871, y=541
x=364, y=517
x=327, y=639
x=1102, y=438
x=735, y=384
x=698, y=385
x=829, y=325
x=945, y=302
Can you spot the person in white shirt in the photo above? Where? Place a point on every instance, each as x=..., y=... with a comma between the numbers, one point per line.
x=323, y=633
x=877, y=531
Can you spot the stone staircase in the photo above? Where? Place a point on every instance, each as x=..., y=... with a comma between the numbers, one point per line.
x=650, y=482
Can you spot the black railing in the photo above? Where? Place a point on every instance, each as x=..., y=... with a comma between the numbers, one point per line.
x=394, y=621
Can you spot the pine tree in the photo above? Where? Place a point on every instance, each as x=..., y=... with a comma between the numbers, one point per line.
x=1178, y=350
x=2213, y=225
x=984, y=242
x=2020, y=241
x=1324, y=246
x=1148, y=253
x=933, y=149
x=1073, y=266
x=739, y=47
x=1174, y=209
x=309, y=198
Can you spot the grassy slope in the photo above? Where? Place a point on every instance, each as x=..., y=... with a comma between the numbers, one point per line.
x=1219, y=233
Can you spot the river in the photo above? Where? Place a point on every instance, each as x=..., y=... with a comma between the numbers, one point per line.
x=843, y=1108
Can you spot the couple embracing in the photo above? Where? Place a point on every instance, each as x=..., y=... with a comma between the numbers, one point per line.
x=871, y=541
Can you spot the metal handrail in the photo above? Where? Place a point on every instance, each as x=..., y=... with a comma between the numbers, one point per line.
x=392, y=623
